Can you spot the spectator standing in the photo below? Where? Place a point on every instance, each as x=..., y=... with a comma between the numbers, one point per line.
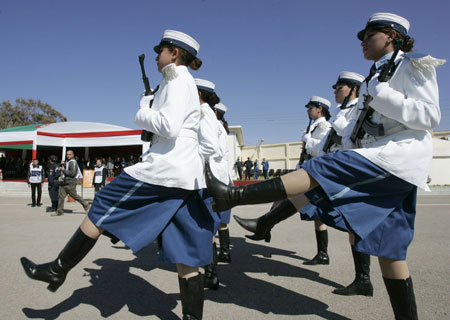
x=238, y=167
x=256, y=170
x=70, y=173
x=35, y=179
x=265, y=167
x=110, y=167
x=100, y=173
x=248, y=168
x=131, y=161
x=53, y=182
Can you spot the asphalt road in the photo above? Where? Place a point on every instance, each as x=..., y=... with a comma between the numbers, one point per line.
x=264, y=281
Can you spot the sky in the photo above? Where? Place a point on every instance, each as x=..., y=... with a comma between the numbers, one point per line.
x=266, y=57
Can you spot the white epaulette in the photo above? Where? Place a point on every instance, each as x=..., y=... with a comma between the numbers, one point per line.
x=203, y=111
x=169, y=72
x=324, y=125
x=423, y=63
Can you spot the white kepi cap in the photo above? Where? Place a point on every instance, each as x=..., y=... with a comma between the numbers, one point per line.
x=221, y=108
x=350, y=78
x=382, y=20
x=179, y=39
x=204, y=85
x=319, y=101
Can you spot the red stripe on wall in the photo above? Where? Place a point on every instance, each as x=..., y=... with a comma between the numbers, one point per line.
x=16, y=142
x=91, y=134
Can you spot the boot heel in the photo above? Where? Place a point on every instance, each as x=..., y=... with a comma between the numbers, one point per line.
x=267, y=237
x=53, y=286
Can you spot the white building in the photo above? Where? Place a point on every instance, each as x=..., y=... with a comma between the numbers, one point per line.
x=286, y=155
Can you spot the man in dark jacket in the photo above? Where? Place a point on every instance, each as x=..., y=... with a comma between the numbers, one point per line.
x=53, y=182
x=238, y=166
x=248, y=168
x=70, y=173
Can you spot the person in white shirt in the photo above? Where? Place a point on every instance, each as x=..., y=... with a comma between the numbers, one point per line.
x=100, y=174
x=318, y=128
x=221, y=158
x=318, y=111
x=158, y=198
x=370, y=191
x=35, y=179
x=208, y=134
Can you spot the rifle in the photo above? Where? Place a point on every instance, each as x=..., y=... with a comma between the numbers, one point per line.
x=146, y=135
x=148, y=91
x=333, y=137
x=304, y=155
x=363, y=124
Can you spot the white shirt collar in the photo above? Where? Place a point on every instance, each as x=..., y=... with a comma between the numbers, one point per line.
x=386, y=57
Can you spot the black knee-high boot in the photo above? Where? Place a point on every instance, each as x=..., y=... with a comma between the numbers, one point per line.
x=226, y=197
x=111, y=237
x=403, y=301
x=224, y=242
x=192, y=296
x=322, y=249
x=54, y=273
x=211, y=278
x=361, y=285
x=261, y=226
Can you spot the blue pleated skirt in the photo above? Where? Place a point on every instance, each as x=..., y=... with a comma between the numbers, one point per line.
x=358, y=196
x=138, y=213
x=217, y=216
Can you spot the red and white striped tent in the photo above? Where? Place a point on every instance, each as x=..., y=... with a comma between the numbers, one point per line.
x=68, y=134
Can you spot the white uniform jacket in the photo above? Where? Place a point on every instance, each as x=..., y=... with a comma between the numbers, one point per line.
x=219, y=161
x=174, y=159
x=208, y=133
x=341, y=119
x=318, y=130
x=407, y=106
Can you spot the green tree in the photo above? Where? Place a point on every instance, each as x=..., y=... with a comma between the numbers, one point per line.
x=26, y=112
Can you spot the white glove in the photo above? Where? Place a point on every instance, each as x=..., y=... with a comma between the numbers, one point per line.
x=374, y=86
x=306, y=136
x=145, y=101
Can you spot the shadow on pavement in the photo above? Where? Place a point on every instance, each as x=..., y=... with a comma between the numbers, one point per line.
x=113, y=286
x=241, y=289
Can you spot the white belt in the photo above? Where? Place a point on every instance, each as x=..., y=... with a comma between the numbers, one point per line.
x=185, y=133
x=188, y=133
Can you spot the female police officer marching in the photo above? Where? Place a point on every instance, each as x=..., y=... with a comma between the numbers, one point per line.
x=158, y=197
x=370, y=191
x=318, y=112
x=346, y=95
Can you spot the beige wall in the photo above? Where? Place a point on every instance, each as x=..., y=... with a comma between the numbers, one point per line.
x=286, y=155
x=279, y=155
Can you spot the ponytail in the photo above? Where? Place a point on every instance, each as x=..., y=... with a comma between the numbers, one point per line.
x=195, y=64
x=225, y=125
x=210, y=98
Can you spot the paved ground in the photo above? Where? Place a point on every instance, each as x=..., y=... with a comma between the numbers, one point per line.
x=265, y=281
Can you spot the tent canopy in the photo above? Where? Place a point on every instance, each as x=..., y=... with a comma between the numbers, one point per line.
x=68, y=134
